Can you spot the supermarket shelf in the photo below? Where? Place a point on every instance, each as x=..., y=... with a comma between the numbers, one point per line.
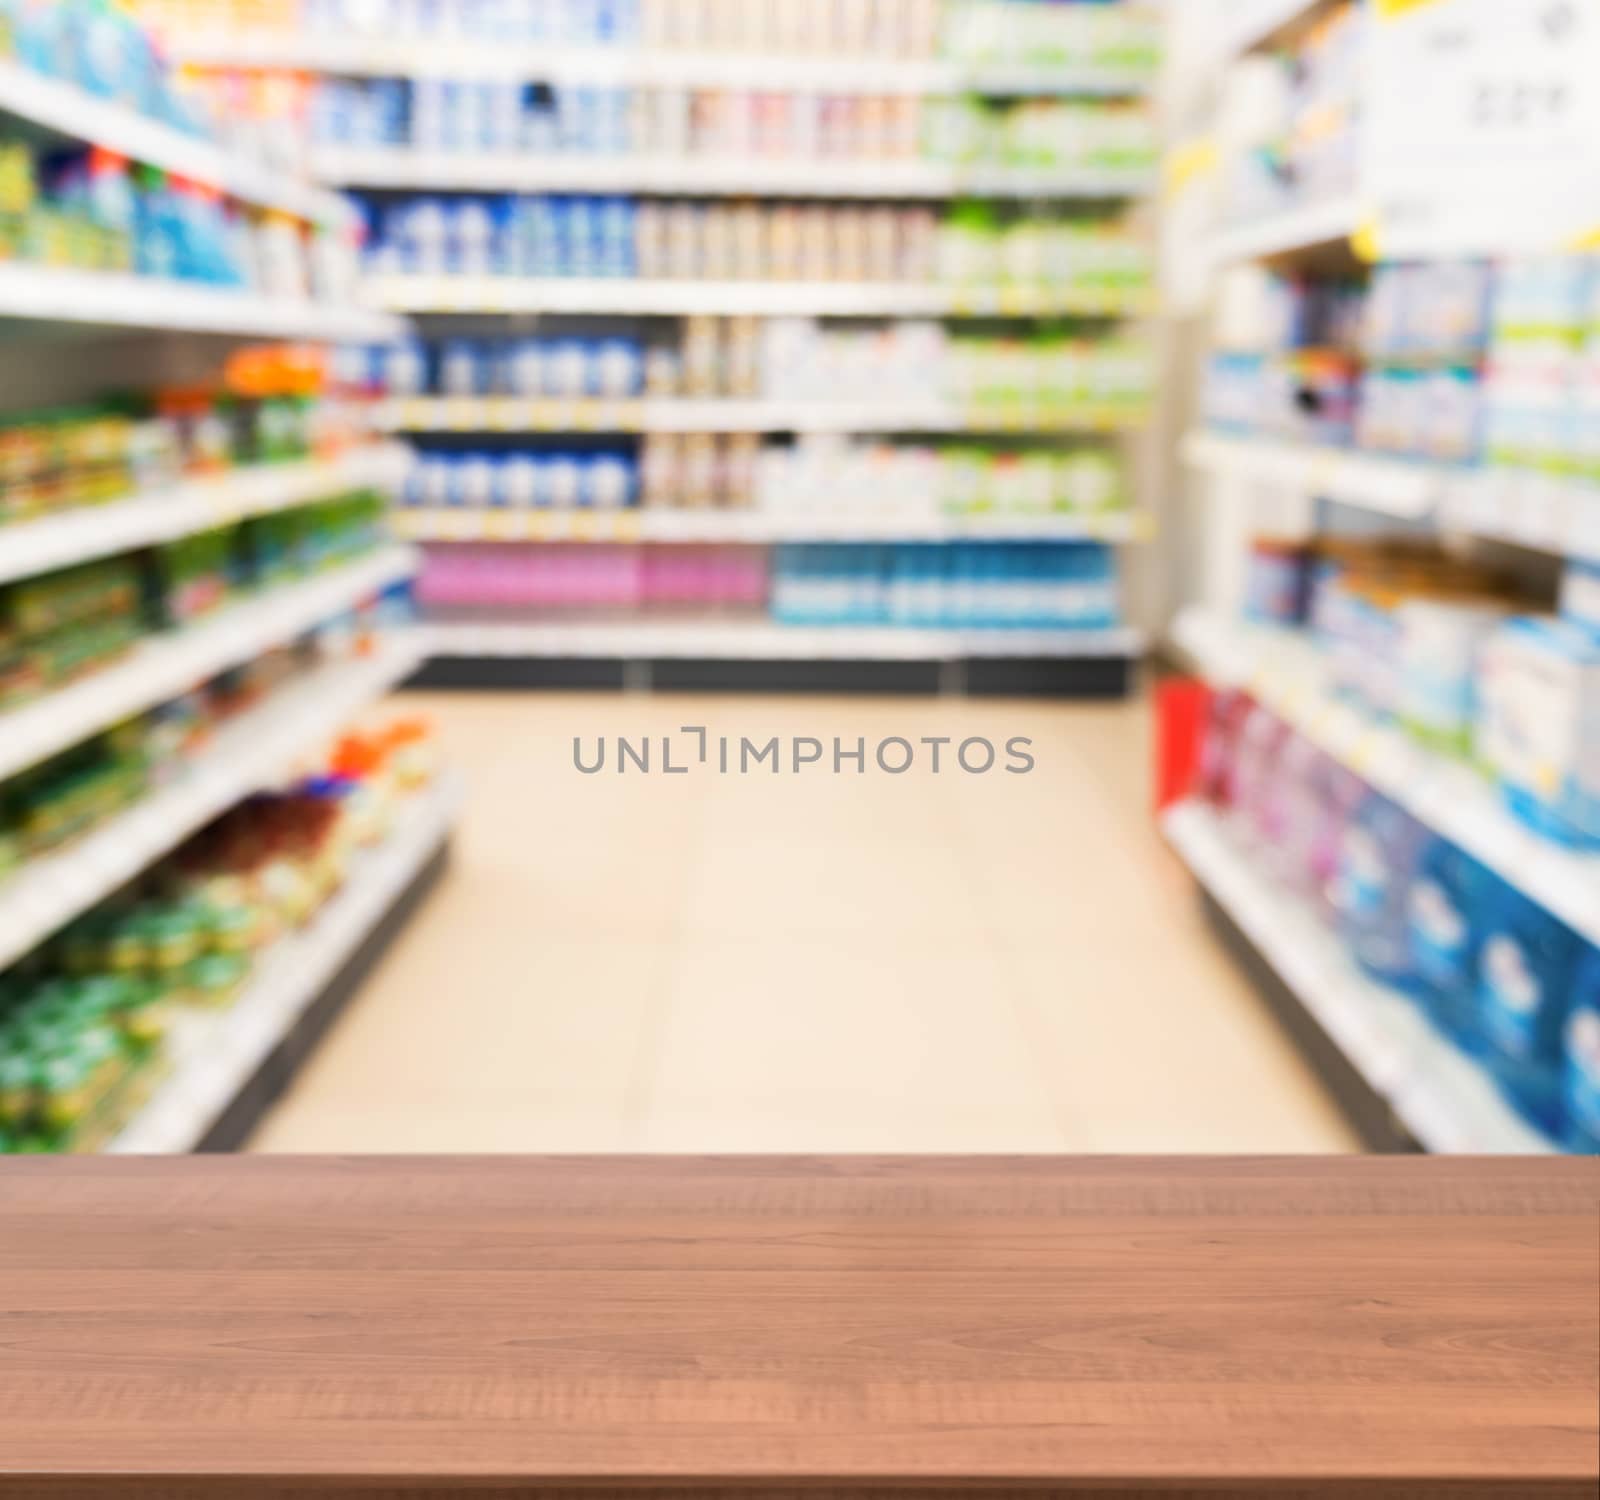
x=1543, y=512
x=85, y=299
x=28, y=548
x=812, y=299
x=1257, y=23
x=1287, y=674
x=865, y=523
x=510, y=414
x=66, y=111
x=169, y=665
x=1317, y=226
x=1392, y=486
x=1538, y=511
x=216, y=1057
x=578, y=172
x=760, y=639
x=378, y=57
x=1440, y=1095
x=246, y=756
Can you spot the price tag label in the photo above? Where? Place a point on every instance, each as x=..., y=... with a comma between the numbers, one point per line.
x=1483, y=125
x=502, y=525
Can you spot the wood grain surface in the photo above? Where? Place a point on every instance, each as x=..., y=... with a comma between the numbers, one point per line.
x=1298, y=1327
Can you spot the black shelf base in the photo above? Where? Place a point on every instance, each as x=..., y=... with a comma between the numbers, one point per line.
x=1097, y=678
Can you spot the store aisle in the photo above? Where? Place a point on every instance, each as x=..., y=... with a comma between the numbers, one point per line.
x=725, y=963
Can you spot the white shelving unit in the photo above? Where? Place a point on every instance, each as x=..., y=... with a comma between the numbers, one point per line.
x=756, y=638
x=1395, y=487
x=384, y=57
x=167, y=666
x=248, y=754
x=214, y=1056
x=846, y=523
x=116, y=300
x=63, y=110
x=510, y=414
x=791, y=299
x=392, y=168
x=1253, y=23
x=1313, y=226
x=1446, y=1101
x=1543, y=512
x=28, y=548
x=1287, y=674
x=1537, y=511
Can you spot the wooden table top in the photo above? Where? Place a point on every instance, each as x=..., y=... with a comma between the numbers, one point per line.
x=1308, y=1326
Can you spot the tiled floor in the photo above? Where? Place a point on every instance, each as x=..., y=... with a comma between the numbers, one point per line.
x=821, y=962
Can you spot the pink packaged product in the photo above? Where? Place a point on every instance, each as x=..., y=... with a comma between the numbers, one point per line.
x=1257, y=746
x=600, y=578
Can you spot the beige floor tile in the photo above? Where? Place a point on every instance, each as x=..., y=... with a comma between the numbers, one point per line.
x=855, y=962
x=1169, y=1053
x=844, y=1045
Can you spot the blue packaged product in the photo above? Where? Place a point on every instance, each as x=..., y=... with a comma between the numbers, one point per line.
x=580, y=240
x=517, y=481
x=334, y=104
x=545, y=247
x=475, y=237
x=1443, y=910
x=425, y=230
x=1582, y=1058
x=608, y=482
x=435, y=473
x=1527, y=967
x=524, y=370
x=472, y=480
x=389, y=105
x=402, y=368
x=464, y=368
x=1380, y=856
x=563, y=481
x=618, y=231
x=569, y=365
x=618, y=368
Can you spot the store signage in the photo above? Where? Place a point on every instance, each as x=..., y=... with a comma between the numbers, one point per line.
x=1483, y=128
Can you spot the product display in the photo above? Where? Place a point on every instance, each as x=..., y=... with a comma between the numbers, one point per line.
x=687, y=240
x=272, y=406
x=85, y=1021
x=1010, y=32
x=1293, y=119
x=963, y=586
x=967, y=586
x=1456, y=362
x=1493, y=972
x=60, y=626
x=95, y=206
x=600, y=580
x=100, y=49
x=1048, y=376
